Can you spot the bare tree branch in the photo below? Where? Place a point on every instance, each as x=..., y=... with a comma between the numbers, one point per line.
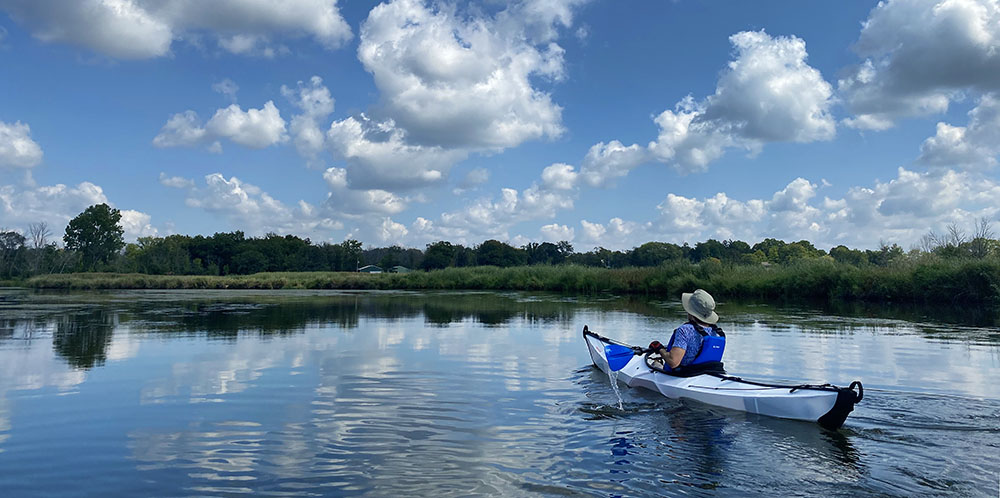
x=39, y=234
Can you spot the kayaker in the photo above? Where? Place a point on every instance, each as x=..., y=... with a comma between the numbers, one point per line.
x=686, y=342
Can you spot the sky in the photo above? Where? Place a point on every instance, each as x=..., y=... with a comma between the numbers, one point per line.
x=605, y=124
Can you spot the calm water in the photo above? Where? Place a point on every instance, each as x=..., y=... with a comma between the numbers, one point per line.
x=457, y=394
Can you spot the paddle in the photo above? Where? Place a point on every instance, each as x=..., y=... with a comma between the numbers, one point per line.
x=618, y=356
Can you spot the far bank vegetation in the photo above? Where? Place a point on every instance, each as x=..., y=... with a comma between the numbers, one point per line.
x=950, y=267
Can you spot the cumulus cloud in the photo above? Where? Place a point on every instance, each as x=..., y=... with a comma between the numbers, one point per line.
x=379, y=156
x=255, y=211
x=555, y=232
x=316, y=104
x=900, y=210
x=52, y=204
x=607, y=161
x=559, y=177
x=974, y=146
x=175, y=181
x=181, y=130
x=616, y=233
x=228, y=88
x=253, y=128
x=137, y=224
x=487, y=218
x=140, y=29
x=768, y=93
x=454, y=81
x=343, y=200
x=17, y=149
x=472, y=179
x=920, y=55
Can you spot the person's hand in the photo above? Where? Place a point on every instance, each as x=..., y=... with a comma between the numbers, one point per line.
x=655, y=346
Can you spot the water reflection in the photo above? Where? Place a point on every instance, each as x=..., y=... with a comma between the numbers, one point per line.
x=330, y=393
x=83, y=339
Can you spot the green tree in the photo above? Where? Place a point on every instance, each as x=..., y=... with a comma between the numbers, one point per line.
x=438, y=255
x=11, y=247
x=496, y=253
x=655, y=253
x=350, y=255
x=843, y=254
x=96, y=235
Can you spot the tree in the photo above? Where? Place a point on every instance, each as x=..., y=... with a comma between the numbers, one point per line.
x=39, y=234
x=11, y=247
x=350, y=255
x=655, y=253
x=496, y=253
x=390, y=257
x=438, y=255
x=95, y=234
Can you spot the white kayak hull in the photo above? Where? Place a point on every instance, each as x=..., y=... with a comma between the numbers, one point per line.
x=828, y=405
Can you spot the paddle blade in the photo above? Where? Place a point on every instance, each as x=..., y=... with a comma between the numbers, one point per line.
x=617, y=356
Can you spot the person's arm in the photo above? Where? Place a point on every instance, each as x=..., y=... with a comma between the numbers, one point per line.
x=674, y=357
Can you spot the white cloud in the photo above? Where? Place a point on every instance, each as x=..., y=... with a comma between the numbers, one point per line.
x=137, y=224
x=767, y=94
x=54, y=204
x=455, y=81
x=920, y=55
x=360, y=202
x=592, y=232
x=898, y=211
x=316, y=104
x=251, y=209
x=252, y=45
x=254, y=128
x=140, y=29
x=17, y=149
x=606, y=161
x=391, y=232
x=228, y=88
x=974, y=146
x=379, y=156
x=559, y=177
x=472, y=179
x=175, y=181
x=556, y=232
x=616, y=234
x=181, y=130
x=492, y=218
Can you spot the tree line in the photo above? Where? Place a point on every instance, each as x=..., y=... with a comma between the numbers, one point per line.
x=94, y=241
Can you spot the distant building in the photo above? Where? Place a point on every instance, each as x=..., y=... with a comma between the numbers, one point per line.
x=369, y=269
x=400, y=269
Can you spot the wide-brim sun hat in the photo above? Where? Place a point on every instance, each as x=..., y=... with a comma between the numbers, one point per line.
x=700, y=305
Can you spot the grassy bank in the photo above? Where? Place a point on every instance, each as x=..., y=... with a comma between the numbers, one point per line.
x=934, y=280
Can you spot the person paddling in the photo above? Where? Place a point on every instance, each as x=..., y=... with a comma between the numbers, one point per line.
x=687, y=345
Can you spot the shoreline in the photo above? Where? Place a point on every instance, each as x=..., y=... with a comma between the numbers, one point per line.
x=936, y=281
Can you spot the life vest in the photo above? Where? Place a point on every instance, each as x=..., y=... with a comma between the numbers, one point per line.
x=712, y=346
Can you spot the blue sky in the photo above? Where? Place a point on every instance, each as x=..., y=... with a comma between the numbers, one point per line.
x=602, y=123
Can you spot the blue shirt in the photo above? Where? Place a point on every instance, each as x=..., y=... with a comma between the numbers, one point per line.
x=689, y=339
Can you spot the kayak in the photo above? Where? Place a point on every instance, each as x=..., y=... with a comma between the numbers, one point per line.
x=825, y=404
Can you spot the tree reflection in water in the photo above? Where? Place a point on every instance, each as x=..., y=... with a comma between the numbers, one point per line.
x=83, y=338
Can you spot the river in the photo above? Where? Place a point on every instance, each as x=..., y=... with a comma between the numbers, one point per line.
x=325, y=393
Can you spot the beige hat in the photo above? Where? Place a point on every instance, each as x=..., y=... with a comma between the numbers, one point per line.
x=700, y=305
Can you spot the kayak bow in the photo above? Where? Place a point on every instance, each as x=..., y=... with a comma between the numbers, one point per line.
x=825, y=404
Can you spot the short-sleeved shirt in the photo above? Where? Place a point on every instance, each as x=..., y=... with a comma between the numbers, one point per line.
x=689, y=339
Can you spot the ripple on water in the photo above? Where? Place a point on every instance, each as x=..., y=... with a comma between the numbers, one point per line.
x=364, y=396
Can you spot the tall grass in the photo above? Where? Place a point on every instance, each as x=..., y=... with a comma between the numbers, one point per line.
x=926, y=280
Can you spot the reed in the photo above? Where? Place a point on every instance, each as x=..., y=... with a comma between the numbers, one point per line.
x=925, y=280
